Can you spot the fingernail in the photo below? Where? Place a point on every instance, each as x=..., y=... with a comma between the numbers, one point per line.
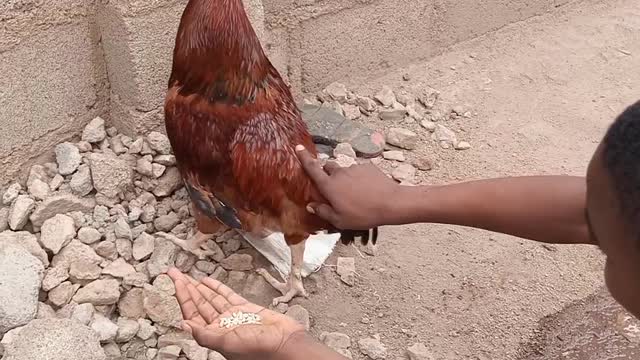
x=300, y=148
x=187, y=328
x=310, y=209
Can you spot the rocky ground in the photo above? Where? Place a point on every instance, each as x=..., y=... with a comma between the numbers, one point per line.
x=81, y=262
x=82, y=272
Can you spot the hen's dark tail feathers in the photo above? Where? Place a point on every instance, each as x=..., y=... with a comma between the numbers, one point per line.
x=349, y=236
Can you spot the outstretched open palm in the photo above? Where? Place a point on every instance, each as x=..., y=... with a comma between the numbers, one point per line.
x=205, y=303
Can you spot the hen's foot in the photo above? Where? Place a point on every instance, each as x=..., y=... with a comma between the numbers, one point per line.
x=292, y=288
x=195, y=244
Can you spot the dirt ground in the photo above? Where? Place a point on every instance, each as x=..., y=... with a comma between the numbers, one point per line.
x=544, y=92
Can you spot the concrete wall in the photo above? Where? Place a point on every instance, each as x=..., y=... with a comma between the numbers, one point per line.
x=65, y=61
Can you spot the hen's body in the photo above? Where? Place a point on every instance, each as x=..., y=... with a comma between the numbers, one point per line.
x=233, y=126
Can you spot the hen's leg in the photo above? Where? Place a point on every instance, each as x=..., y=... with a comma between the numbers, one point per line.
x=195, y=244
x=294, y=286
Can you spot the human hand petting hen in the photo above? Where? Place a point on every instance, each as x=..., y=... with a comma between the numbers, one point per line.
x=278, y=337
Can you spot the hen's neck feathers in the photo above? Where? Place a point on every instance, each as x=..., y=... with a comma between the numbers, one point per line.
x=218, y=54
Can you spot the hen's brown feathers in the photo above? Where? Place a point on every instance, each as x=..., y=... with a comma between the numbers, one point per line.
x=233, y=125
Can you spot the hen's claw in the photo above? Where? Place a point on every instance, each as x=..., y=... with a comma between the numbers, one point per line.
x=195, y=244
x=292, y=288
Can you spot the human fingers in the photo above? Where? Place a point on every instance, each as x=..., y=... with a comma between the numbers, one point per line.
x=204, y=306
x=325, y=212
x=312, y=166
x=187, y=305
x=231, y=296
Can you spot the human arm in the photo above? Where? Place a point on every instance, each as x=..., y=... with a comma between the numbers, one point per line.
x=278, y=337
x=548, y=209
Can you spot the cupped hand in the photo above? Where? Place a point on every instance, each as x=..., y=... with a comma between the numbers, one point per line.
x=205, y=303
x=358, y=195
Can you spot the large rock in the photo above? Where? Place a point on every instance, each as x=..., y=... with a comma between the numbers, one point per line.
x=111, y=174
x=168, y=183
x=60, y=204
x=99, y=292
x=94, y=132
x=76, y=252
x=20, y=211
x=68, y=158
x=54, y=339
x=57, y=232
x=20, y=279
x=28, y=241
x=163, y=257
x=161, y=306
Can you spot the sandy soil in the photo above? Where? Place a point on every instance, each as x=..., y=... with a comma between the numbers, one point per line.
x=544, y=92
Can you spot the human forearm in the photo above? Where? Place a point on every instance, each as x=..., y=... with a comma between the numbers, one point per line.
x=549, y=209
x=304, y=346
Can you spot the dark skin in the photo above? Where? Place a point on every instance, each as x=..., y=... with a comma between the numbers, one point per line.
x=548, y=209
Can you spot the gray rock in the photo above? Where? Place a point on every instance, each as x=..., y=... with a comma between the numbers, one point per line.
x=56, y=182
x=4, y=219
x=45, y=311
x=366, y=104
x=136, y=146
x=402, y=138
x=161, y=307
x=28, y=241
x=336, y=91
x=167, y=222
x=338, y=342
x=373, y=348
x=143, y=246
x=111, y=174
x=54, y=277
x=346, y=269
x=231, y=245
x=300, y=314
x=394, y=155
x=127, y=329
x=119, y=268
x=117, y=145
x=38, y=189
x=84, y=146
x=206, y=267
x=419, y=352
x=164, y=283
x=404, y=172
x=352, y=112
x=144, y=167
x=83, y=272
x=20, y=278
x=166, y=160
x=11, y=193
x=329, y=128
x=131, y=304
x=444, y=136
x=429, y=125
x=104, y=328
x=89, y=235
x=57, y=232
x=138, y=279
x=238, y=262
x=148, y=213
x=168, y=183
x=20, y=211
x=185, y=261
x=108, y=249
x=63, y=339
x=159, y=143
x=386, y=96
x=146, y=330
x=344, y=149
x=68, y=158
x=392, y=114
x=157, y=170
x=76, y=252
x=163, y=257
x=60, y=204
x=81, y=182
x=99, y=292
x=463, y=145
x=83, y=313
x=169, y=352
x=122, y=229
x=62, y=294
x=94, y=132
